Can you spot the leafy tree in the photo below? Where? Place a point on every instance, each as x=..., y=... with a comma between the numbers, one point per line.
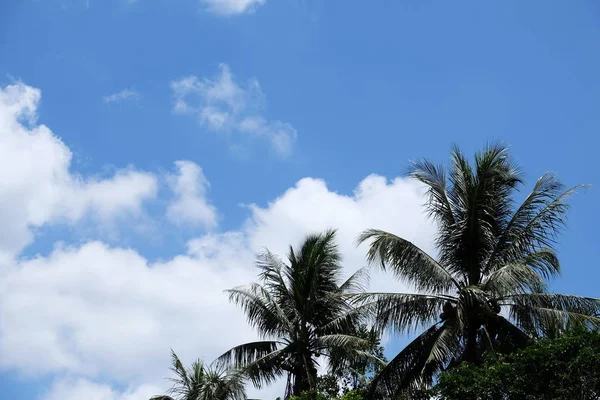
x=300, y=310
x=357, y=394
x=554, y=369
x=202, y=382
x=328, y=385
x=485, y=289
x=360, y=370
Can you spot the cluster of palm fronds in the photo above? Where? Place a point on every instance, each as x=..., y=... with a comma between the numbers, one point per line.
x=484, y=291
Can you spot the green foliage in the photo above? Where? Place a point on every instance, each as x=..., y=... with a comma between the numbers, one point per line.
x=357, y=394
x=310, y=395
x=358, y=371
x=329, y=385
x=558, y=369
x=492, y=255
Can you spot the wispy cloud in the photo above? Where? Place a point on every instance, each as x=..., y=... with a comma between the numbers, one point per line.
x=226, y=7
x=190, y=205
x=232, y=7
x=224, y=105
x=125, y=94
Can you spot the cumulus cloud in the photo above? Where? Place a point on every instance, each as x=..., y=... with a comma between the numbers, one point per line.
x=232, y=7
x=84, y=389
x=125, y=94
x=93, y=313
x=104, y=311
x=190, y=205
x=38, y=187
x=224, y=105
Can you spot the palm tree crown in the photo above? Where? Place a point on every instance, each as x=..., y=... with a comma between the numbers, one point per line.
x=202, y=382
x=299, y=310
x=486, y=290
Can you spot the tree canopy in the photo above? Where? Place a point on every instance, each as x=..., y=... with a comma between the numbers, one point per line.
x=203, y=382
x=485, y=289
x=564, y=368
x=480, y=300
x=301, y=311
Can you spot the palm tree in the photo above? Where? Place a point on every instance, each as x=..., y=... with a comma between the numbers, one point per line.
x=298, y=308
x=485, y=289
x=202, y=382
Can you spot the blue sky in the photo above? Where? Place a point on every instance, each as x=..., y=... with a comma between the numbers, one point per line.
x=253, y=96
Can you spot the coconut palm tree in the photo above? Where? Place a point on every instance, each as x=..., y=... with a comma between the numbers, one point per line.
x=485, y=288
x=299, y=310
x=202, y=382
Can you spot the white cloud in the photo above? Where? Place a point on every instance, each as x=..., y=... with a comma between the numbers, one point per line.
x=190, y=205
x=84, y=389
x=125, y=94
x=232, y=7
x=223, y=105
x=101, y=311
x=101, y=314
x=37, y=186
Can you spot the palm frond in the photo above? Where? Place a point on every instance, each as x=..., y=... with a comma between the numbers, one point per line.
x=504, y=335
x=314, y=271
x=244, y=354
x=482, y=200
x=512, y=279
x=347, y=318
x=414, y=366
x=402, y=312
x=182, y=381
x=438, y=204
x=546, y=188
x=271, y=275
x=536, y=224
x=200, y=382
x=357, y=282
x=543, y=261
x=268, y=368
x=541, y=312
x=407, y=261
x=223, y=384
x=262, y=311
x=340, y=341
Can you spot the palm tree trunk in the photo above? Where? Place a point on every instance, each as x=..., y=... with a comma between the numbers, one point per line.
x=301, y=382
x=305, y=379
x=470, y=354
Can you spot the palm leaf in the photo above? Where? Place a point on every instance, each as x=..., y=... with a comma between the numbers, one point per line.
x=244, y=354
x=407, y=261
x=357, y=282
x=514, y=278
x=535, y=225
x=541, y=312
x=413, y=367
x=268, y=368
x=262, y=311
x=340, y=342
x=434, y=177
x=401, y=311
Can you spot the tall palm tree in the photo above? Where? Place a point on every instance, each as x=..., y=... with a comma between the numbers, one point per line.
x=202, y=382
x=485, y=289
x=298, y=308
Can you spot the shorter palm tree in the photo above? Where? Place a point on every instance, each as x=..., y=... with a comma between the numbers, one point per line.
x=204, y=382
x=300, y=310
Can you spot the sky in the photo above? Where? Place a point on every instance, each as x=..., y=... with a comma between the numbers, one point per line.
x=150, y=148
